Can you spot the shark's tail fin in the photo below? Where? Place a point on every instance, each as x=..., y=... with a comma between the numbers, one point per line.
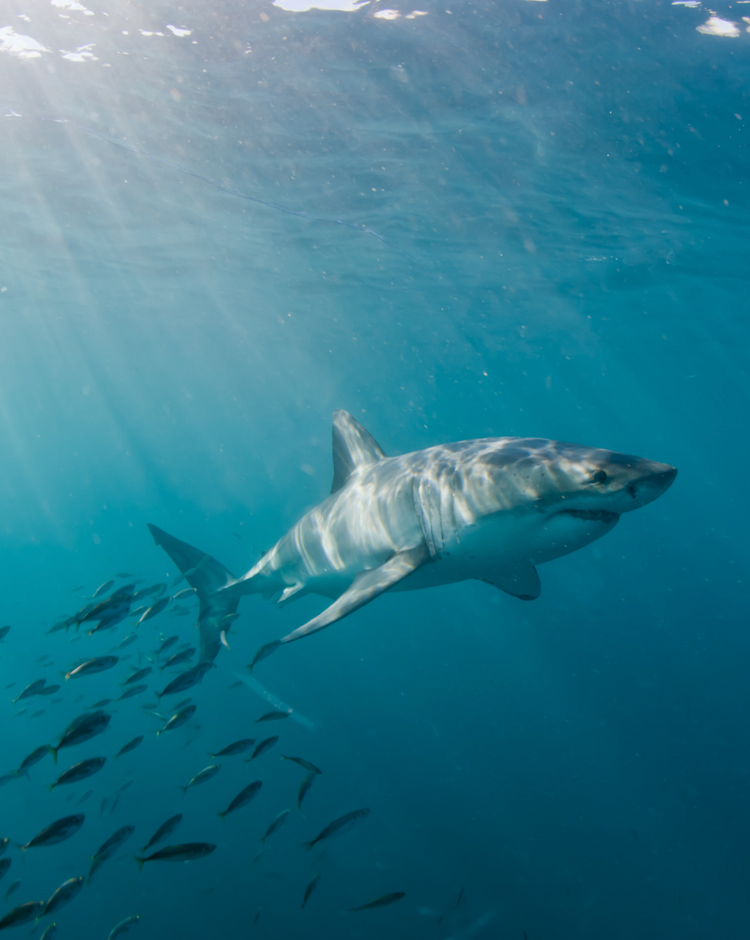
x=207, y=576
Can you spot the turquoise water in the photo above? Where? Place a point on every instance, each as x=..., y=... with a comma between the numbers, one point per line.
x=221, y=222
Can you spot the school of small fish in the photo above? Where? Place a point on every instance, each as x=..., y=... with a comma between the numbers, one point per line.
x=106, y=608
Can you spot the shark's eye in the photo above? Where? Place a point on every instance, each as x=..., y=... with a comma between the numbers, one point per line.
x=599, y=477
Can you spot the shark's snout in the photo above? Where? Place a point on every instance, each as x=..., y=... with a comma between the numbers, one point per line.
x=651, y=486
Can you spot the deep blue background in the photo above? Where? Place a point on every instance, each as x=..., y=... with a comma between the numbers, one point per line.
x=558, y=193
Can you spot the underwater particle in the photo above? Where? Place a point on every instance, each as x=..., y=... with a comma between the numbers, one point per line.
x=36, y=755
x=182, y=657
x=307, y=782
x=163, y=831
x=237, y=747
x=108, y=848
x=124, y=926
x=82, y=729
x=243, y=798
x=309, y=889
x=383, y=901
x=203, y=777
x=186, y=852
x=277, y=823
x=92, y=666
x=265, y=745
x=80, y=771
x=186, y=680
x=338, y=826
x=63, y=895
x=22, y=914
x=303, y=763
x=58, y=831
x=275, y=715
x=178, y=719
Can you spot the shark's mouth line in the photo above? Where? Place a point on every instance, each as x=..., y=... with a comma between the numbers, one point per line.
x=592, y=515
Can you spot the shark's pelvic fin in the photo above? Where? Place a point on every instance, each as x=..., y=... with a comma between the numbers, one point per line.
x=366, y=587
x=353, y=447
x=206, y=575
x=521, y=581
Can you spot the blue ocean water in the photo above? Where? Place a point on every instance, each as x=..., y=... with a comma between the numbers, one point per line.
x=220, y=222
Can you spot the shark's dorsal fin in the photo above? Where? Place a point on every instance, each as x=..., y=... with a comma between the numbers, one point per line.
x=353, y=447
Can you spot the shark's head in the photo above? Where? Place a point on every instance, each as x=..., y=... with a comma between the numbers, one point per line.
x=569, y=478
x=579, y=492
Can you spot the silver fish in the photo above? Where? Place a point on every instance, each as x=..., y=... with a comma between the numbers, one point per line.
x=307, y=782
x=82, y=729
x=80, y=771
x=309, y=889
x=276, y=824
x=243, y=797
x=130, y=746
x=303, y=763
x=58, y=831
x=22, y=914
x=187, y=852
x=178, y=719
x=237, y=747
x=92, y=666
x=206, y=774
x=342, y=824
x=264, y=746
x=67, y=891
x=163, y=831
x=124, y=926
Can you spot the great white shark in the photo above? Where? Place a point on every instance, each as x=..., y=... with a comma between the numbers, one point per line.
x=490, y=509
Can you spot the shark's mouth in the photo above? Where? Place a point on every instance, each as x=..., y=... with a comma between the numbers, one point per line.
x=592, y=515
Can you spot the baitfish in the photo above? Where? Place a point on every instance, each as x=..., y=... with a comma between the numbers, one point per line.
x=58, y=831
x=163, y=831
x=243, y=797
x=338, y=826
x=187, y=852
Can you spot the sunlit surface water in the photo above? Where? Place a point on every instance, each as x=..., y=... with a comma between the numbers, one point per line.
x=222, y=221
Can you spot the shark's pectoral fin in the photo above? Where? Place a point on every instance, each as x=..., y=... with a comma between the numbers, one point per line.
x=521, y=581
x=366, y=587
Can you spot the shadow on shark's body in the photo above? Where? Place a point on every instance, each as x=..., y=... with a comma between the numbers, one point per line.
x=489, y=509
